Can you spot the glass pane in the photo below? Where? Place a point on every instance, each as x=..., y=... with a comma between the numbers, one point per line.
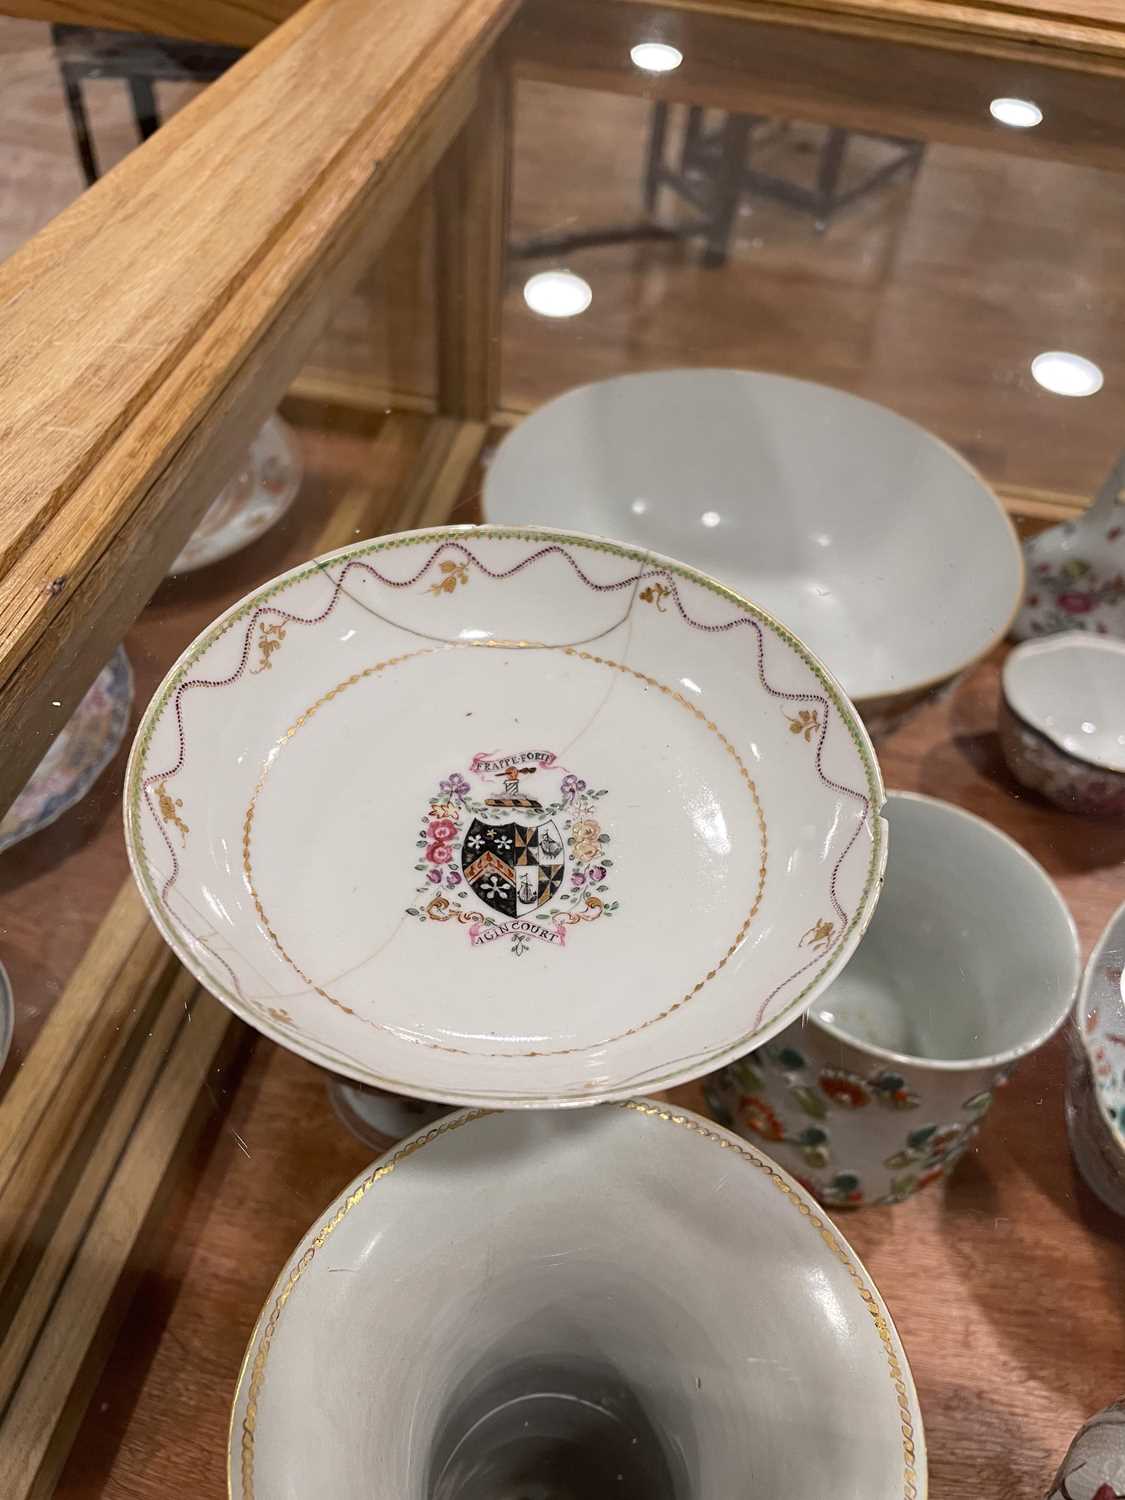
x=784, y=221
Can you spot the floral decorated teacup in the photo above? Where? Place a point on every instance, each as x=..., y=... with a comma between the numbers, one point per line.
x=1094, y=1466
x=1062, y=721
x=970, y=962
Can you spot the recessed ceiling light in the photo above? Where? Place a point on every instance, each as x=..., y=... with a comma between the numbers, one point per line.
x=1021, y=113
x=557, y=294
x=1067, y=374
x=710, y=518
x=656, y=57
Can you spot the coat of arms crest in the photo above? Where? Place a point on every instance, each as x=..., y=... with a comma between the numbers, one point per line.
x=508, y=864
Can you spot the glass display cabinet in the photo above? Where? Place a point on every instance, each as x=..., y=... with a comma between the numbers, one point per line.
x=334, y=256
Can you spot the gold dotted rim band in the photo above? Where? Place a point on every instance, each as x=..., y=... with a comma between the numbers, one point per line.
x=261, y=1340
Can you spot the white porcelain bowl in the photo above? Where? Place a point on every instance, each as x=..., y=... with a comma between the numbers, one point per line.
x=1062, y=725
x=505, y=817
x=877, y=544
x=510, y=1295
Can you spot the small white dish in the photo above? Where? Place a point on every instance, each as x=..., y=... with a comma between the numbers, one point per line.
x=253, y=501
x=535, y=1290
x=875, y=542
x=1062, y=724
x=77, y=756
x=505, y=817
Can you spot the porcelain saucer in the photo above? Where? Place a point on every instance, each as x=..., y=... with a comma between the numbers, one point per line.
x=254, y=500
x=77, y=756
x=510, y=1293
x=505, y=816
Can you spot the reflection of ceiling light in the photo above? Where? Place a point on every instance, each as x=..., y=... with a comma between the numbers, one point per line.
x=656, y=57
x=639, y=507
x=1067, y=374
x=1021, y=113
x=710, y=518
x=557, y=294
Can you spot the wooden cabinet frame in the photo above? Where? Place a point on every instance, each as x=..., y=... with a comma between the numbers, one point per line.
x=146, y=333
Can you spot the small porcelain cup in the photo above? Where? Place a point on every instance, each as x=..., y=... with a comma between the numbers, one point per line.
x=1094, y=1466
x=970, y=962
x=1062, y=721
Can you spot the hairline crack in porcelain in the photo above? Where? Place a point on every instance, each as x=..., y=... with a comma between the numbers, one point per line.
x=491, y=766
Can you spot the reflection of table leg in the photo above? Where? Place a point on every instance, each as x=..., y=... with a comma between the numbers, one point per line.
x=80, y=125
x=727, y=186
x=471, y=213
x=144, y=106
x=828, y=175
x=654, y=162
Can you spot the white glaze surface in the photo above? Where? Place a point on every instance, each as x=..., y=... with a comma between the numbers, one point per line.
x=875, y=542
x=1071, y=688
x=653, y=1242
x=307, y=786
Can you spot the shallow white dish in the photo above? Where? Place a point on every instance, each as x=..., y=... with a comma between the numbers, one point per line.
x=254, y=500
x=875, y=542
x=505, y=817
x=639, y=1258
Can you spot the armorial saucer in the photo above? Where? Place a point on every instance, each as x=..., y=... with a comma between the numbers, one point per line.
x=506, y=816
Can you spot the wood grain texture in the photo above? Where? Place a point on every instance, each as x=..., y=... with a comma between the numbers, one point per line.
x=449, y=451
x=143, y=391
x=1090, y=37
x=472, y=200
x=732, y=60
x=238, y=23
x=32, y=1449
x=47, y=1113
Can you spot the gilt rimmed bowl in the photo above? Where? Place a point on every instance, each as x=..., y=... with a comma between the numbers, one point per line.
x=505, y=817
x=871, y=538
x=512, y=1300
